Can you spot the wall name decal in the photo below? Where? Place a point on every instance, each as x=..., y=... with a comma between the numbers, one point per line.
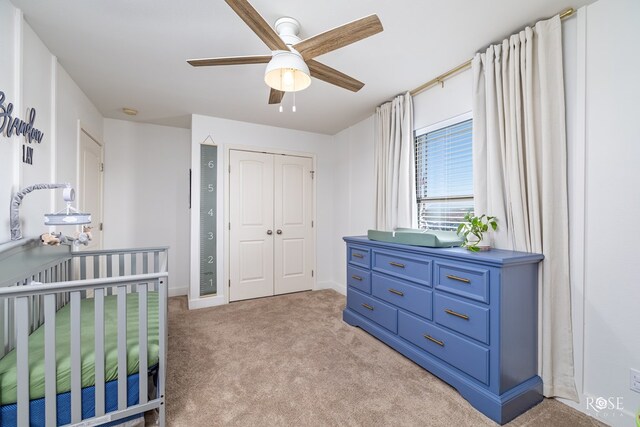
x=10, y=125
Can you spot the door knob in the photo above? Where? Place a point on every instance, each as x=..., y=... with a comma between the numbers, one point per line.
x=269, y=232
x=279, y=231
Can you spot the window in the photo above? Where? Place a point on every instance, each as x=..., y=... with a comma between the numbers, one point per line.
x=444, y=174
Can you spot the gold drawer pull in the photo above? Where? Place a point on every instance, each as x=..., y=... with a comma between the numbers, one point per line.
x=358, y=278
x=367, y=306
x=459, y=279
x=394, y=291
x=396, y=264
x=432, y=339
x=453, y=313
x=357, y=255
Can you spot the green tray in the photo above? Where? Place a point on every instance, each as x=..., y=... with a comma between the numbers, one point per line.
x=415, y=237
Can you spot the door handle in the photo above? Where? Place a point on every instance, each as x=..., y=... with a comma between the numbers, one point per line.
x=279, y=231
x=269, y=232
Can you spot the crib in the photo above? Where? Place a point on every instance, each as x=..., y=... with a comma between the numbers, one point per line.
x=83, y=335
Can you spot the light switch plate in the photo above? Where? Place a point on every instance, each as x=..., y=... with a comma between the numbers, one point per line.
x=634, y=380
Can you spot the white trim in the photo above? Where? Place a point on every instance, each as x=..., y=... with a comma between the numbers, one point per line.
x=176, y=292
x=444, y=123
x=227, y=247
x=340, y=288
x=206, y=302
x=79, y=183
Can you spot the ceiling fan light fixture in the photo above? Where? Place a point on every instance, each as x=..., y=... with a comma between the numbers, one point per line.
x=287, y=72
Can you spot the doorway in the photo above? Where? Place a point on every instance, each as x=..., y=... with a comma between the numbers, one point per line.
x=91, y=169
x=271, y=239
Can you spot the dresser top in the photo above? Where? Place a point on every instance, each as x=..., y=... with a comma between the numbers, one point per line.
x=494, y=256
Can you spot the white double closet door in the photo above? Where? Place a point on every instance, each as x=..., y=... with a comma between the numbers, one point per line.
x=271, y=232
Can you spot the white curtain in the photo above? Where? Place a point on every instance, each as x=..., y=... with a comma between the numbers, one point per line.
x=520, y=175
x=395, y=165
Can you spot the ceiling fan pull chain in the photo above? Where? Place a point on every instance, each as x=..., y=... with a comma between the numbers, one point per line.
x=294, y=98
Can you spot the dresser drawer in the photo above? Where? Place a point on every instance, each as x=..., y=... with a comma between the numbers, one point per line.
x=470, y=282
x=465, y=355
x=466, y=318
x=416, y=299
x=409, y=267
x=378, y=311
x=359, y=278
x=360, y=256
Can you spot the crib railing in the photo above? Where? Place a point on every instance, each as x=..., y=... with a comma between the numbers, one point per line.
x=58, y=270
x=75, y=266
x=34, y=300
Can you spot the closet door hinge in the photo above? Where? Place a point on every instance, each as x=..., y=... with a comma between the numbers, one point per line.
x=101, y=227
x=229, y=282
x=101, y=167
x=229, y=168
x=229, y=226
x=313, y=174
x=311, y=224
x=311, y=273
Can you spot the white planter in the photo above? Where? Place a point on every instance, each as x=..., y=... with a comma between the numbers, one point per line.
x=483, y=245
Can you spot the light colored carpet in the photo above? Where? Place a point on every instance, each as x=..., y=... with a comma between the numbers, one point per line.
x=291, y=361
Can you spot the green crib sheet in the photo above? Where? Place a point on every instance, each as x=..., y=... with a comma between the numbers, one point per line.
x=63, y=345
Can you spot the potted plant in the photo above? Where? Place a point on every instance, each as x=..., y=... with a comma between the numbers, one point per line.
x=473, y=228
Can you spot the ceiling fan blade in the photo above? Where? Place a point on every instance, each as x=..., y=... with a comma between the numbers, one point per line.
x=252, y=18
x=339, y=37
x=275, y=96
x=230, y=60
x=335, y=77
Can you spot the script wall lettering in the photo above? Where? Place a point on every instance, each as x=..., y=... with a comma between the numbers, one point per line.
x=10, y=125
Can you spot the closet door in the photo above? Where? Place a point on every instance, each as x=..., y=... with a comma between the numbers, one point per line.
x=251, y=236
x=293, y=210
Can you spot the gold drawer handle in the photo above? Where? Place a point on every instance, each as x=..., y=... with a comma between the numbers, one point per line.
x=357, y=255
x=453, y=313
x=432, y=339
x=367, y=306
x=358, y=278
x=396, y=264
x=395, y=291
x=459, y=279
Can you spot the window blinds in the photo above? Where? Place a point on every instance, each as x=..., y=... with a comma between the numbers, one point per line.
x=444, y=176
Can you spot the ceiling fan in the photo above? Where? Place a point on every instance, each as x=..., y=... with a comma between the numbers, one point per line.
x=291, y=63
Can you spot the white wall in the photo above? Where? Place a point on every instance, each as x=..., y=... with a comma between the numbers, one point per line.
x=607, y=326
x=601, y=92
x=32, y=78
x=146, y=199
x=353, y=192
x=234, y=133
x=10, y=38
x=354, y=175
x=443, y=102
x=73, y=111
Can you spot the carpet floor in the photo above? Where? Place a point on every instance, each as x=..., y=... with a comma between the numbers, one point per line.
x=291, y=361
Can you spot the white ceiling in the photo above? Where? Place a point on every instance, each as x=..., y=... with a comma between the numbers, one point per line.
x=125, y=53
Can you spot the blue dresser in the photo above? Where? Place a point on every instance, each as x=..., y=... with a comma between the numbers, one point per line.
x=469, y=318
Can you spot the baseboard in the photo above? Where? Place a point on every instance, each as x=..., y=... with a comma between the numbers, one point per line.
x=176, y=292
x=614, y=418
x=206, y=302
x=338, y=287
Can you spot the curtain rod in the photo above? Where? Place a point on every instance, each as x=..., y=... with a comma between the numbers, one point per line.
x=442, y=77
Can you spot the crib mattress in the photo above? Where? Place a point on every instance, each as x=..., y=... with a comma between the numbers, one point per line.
x=63, y=344
x=37, y=409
